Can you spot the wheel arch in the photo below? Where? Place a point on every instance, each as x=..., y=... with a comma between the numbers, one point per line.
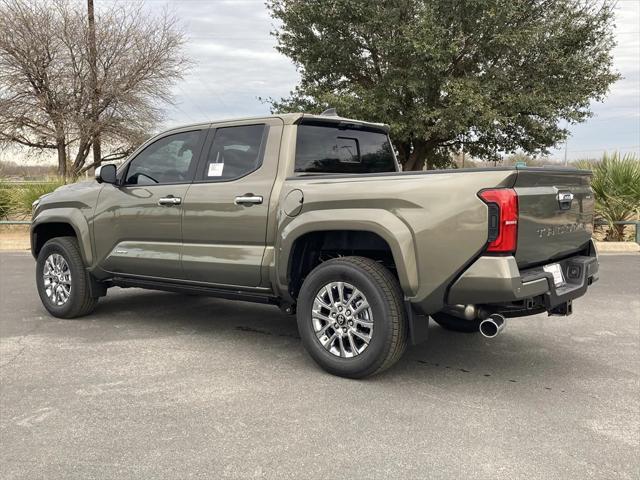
x=60, y=223
x=381, y=227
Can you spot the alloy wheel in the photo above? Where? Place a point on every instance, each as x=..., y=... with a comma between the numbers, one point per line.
x=342, y=319
x=56, y=276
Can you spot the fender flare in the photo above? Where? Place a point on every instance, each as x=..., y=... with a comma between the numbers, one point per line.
x=381, y=222
x=72, y=217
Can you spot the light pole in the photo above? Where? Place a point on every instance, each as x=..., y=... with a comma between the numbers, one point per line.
x=93, y=65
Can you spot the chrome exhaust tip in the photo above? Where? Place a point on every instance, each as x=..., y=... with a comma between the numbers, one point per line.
x=491, y=326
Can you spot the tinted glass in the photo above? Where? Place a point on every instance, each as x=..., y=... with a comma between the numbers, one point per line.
x=235, y=152
x=167, y=160
x=329, y=149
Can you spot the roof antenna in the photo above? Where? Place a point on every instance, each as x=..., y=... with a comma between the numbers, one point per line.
x=330, y=112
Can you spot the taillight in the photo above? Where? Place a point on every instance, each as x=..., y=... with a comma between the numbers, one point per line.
x=503, y=219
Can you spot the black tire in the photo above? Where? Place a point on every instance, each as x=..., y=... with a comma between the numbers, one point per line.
x=383, y=293
x=80, y=301
x=455, y=324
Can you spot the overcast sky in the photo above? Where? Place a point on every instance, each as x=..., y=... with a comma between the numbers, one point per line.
x=235, y=63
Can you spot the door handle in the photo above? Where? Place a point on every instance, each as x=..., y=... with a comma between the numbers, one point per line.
x=169, y=201
x=248, y=199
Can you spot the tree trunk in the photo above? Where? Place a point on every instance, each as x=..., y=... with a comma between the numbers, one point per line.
x=418, y=156
x=421, y=154
x=84, y=146
x=97, y=151
x=403, y=154
x=62, y=158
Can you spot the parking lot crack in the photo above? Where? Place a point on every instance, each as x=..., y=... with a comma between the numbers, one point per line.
x=22, y=346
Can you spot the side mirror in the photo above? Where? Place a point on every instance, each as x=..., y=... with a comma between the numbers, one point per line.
x=106, y=173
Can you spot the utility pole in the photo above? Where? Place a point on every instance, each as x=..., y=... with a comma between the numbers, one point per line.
x=93, y=65
x=566, y=142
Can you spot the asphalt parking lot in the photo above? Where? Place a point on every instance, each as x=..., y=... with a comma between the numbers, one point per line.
x=158, y=385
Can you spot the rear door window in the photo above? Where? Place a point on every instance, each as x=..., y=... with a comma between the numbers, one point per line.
x=332, y=149
x=234, y=152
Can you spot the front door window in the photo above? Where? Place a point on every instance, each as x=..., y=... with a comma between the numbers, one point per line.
x=167, y=160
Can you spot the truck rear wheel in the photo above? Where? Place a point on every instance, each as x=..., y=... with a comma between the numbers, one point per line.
x=351, y=317
x=62, y=280
x=455, y=324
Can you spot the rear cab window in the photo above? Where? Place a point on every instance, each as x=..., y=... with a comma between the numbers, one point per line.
x=347, y=148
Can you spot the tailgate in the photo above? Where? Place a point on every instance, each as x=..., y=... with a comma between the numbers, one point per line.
x=555, y=214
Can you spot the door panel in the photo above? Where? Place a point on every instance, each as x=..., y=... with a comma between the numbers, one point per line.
x=225, y=219
x=135, y=234
x=138, y=225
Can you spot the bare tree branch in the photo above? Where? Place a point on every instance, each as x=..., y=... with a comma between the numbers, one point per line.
x=51, y=98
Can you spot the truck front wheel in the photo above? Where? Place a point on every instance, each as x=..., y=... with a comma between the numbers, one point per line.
x=351, y=317
x=62, y=280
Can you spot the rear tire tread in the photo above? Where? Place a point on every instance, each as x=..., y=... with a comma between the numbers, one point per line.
x=393, y=293
x=392, y=296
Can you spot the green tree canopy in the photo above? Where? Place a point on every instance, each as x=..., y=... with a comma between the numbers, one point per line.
x=492, y=75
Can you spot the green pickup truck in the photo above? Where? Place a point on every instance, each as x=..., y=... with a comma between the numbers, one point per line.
x=311, y=213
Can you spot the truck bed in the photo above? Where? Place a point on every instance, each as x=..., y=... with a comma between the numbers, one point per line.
x=446, y=220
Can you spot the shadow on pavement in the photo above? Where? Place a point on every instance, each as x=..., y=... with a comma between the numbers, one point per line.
x=510, y=357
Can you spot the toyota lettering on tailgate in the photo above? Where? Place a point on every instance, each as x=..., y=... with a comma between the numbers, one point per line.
x=554, y=230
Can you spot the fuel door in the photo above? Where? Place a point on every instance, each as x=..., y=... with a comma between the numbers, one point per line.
x=292, y=204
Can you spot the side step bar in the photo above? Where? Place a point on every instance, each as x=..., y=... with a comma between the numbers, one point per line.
x=195, y=290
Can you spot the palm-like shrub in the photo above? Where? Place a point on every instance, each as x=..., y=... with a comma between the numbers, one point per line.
x=616, y=184
x=20, y=197
x=5, y=206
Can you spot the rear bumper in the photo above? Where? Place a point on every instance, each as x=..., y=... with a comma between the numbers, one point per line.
x=498, y=281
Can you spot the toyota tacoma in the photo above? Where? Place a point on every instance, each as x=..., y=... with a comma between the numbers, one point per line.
x=312, y=213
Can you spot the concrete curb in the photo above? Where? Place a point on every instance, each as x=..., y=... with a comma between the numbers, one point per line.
x=617, y=247
x=14, y=240
x=13, y=247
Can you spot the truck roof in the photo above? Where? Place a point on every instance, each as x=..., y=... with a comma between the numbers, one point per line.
x=290, y=119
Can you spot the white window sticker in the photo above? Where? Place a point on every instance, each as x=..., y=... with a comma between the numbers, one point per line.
x=215, y=169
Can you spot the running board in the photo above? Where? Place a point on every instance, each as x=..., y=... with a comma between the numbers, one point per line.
x=195, y=290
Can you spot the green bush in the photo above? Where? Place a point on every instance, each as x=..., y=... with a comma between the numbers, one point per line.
x=4, y=201
x=19, y=197
x=616, y=184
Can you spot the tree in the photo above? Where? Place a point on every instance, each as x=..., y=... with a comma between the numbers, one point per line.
x=33, y=100
x=56, y=92
x=493, y=75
